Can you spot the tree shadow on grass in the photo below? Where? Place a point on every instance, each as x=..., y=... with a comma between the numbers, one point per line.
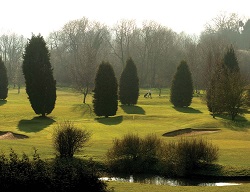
x=131, y=109
x=110, y=120
x=187, y=110
x=35, y=125
x=2, y=102
x=239, y=124
x=84, y=109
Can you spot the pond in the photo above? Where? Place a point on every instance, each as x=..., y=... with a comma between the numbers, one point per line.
x=157, y=180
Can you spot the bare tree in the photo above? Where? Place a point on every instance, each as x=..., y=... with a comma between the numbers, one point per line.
x=11, y=50
x=121, y=40
x=78, y=45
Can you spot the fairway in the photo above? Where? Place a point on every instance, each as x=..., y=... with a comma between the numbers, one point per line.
x=156, y=115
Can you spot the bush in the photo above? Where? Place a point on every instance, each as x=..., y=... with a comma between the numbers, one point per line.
x=60, y=175
x=70, y=174
x=132, y=154
x=186, y=155
x=68, y=139
x=22, y=174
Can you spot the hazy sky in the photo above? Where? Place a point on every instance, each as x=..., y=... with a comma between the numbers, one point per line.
x=25, y=17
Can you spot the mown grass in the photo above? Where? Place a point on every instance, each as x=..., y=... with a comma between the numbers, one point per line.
x=156, y=115
x=137, y=187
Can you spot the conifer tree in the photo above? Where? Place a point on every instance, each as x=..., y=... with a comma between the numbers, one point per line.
x=215, y=95
x=231, y=61
x=3, y=81
x=105, y=98
x=129, y=84
x=182, y=86
x=225, y=91
x=233, y=85
x=38, y=74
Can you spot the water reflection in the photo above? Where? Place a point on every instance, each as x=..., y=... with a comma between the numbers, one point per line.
x=157, y=180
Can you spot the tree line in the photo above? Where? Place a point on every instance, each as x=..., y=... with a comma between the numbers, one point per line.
x=80, y=46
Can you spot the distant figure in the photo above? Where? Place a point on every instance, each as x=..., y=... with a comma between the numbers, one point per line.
x=148, y=94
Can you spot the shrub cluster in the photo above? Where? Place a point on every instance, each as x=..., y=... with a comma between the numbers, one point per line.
x=182, y=157
x=132, y=154
x=59, y=175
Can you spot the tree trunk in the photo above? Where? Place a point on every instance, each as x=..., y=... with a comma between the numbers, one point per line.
x=84, y=98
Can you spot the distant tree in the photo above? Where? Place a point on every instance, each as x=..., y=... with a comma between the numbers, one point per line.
x=231, y=61
x=38, y=74
x=226, y=26
x=3, y=81
x=245, y=35
x=129, y=84
x=233, y=86
x=182, y=86
x=105, y=98
x=215, y=96
x=225, y=92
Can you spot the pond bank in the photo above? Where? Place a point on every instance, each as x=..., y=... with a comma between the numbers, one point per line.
x=192, y=181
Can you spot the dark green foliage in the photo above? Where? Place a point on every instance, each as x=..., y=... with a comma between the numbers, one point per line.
x=38, y=74
x=182, y=86
x=68, y=139
x=233, y=86
x=105, y=98
x=215, y=95
x=150, y=155
x=132, y=154
x=59, y=175
x=3, y=81
x=74, y=175
x=183, y=157
x=230, y=60
x=129, y=84
x=225, y=90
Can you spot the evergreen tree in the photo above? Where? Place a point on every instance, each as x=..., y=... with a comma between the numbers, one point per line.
x=231, y=61
x=182, y=86
x=38, y=74
x=225, y=92
x=215, y=95
x=129, y=84
x=105, y=98
x=233, y=85
x=3, y=81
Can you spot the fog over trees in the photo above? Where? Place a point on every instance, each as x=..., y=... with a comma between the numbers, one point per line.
x=81, y=45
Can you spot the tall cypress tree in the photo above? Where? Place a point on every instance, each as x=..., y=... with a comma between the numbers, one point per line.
x=38, y=74
x=225, y=91
x=105, y=98
x=233, y=85
x=3, y=81
x=129, y=84
x=215, y=96
x=182, y=86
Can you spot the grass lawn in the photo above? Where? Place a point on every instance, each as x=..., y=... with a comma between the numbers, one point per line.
x=156, y=115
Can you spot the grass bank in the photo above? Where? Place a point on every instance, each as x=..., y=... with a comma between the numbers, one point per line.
x=156, y=115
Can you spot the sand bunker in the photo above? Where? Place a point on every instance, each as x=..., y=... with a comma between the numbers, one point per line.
x=11, y=135
x=190, y=131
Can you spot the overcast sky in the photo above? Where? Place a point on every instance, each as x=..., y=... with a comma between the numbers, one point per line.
x=25, y=17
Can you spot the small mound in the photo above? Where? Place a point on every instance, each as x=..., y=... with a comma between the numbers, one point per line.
x=10, y=135
x=189, y=132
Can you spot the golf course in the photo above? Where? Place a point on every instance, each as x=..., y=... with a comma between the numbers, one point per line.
x=22, y=130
